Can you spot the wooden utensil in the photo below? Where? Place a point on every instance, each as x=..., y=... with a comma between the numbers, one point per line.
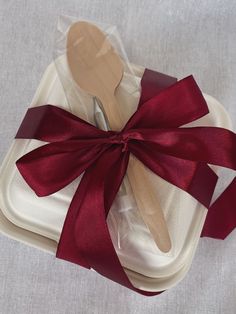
x=98, y=70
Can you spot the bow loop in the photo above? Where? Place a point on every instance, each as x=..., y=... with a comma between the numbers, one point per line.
x=212, y=145
x=49, y=168
x=176, y=105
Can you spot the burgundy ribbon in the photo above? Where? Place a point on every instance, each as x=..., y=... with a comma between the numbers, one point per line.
x=152, y=134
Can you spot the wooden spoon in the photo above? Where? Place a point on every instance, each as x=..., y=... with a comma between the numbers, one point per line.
x=98, y=70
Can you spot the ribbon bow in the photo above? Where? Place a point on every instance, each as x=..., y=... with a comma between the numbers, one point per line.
x=152, y=134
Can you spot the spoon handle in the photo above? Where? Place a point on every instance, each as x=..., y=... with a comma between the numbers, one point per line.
x=138, y=176
x=148, y=204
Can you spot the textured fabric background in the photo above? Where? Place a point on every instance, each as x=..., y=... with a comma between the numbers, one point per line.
x=175, y=37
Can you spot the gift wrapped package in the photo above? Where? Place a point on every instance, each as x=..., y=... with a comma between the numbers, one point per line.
x=71, y=183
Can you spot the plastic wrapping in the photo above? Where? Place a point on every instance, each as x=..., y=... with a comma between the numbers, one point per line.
x=124, y=215
x=124, y=220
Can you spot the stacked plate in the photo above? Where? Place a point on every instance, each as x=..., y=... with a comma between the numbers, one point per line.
x=39, y=221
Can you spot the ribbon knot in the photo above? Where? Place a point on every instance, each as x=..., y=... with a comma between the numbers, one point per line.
x=120, y=138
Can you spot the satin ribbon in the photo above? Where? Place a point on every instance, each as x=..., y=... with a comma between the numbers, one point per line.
x=152, y=134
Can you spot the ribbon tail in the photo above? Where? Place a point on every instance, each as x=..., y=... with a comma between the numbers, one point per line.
x=67, y=246
x=221, y=216
x=52, y=124
x=152, y=83
x=195, y=178
x=85, y=239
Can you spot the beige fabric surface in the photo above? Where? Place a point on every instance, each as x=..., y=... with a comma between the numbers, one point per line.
x=175, y=37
